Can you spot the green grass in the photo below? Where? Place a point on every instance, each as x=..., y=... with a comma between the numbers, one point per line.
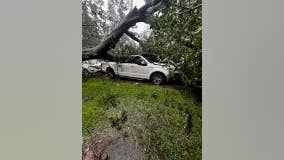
x=152, y=115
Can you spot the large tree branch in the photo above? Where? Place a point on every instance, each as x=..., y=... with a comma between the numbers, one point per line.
x=154, y=8
x=133, y=36
x=130, y=20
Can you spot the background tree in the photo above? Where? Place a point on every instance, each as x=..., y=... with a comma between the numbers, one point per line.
x=93, y=23
x=177, y=37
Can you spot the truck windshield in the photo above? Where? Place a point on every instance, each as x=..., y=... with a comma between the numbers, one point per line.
x=151, y=59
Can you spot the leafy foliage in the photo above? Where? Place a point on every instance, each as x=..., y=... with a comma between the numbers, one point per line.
x=177, y=37
x=124, y=48
x=116, y=11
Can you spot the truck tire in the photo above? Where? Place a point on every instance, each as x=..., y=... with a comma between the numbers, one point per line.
x=110, y=73
x=158, y=78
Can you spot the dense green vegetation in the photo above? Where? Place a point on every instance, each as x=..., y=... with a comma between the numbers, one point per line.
x=152, y=115
x=177, y=37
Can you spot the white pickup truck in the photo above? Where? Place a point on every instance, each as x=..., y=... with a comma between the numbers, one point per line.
x=139, y=67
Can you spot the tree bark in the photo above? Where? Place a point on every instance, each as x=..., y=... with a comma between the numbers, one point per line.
x=134, y=16
x=133, y=36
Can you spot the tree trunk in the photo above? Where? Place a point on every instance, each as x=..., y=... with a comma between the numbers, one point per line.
x=133, y=17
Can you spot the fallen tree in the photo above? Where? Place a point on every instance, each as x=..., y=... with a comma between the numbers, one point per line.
x=134, y=16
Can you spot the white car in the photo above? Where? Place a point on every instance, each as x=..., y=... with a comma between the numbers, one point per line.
x=90, y=67
x=139, y=67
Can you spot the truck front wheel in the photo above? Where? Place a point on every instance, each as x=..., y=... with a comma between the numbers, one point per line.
x=158, y=78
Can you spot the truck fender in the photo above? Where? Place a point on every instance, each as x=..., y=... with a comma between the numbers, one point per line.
x=165, y=73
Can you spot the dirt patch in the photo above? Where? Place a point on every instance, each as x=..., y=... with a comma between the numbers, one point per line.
x=111, y=145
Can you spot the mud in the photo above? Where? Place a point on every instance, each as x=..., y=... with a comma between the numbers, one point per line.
x=111, y=145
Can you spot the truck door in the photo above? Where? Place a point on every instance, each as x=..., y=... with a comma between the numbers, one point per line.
x=138, y=67
x=124, y=67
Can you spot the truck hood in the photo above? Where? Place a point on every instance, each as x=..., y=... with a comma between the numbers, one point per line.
x=159, y=64
x=172, y=67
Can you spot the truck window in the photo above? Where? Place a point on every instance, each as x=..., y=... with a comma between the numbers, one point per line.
x=137, y=60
